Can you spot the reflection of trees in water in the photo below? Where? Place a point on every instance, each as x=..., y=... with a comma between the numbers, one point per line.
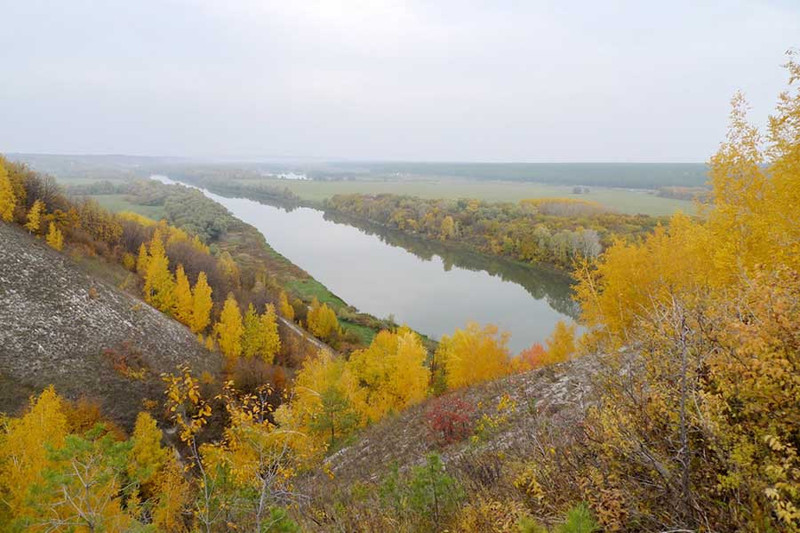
x=541, y=283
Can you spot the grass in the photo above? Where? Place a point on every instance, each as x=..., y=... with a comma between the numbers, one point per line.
x=309, y=288
x=364, y=333
x=119, y=202
x=630, y=201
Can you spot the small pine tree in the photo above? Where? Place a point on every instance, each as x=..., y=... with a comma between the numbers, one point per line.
x=35, y=217
x=336, y=417
x=54, y=237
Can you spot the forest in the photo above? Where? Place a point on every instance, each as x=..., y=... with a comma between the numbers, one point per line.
x=559, y=232
x=692, y=326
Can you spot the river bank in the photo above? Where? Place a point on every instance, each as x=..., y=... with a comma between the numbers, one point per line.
x=434, y=291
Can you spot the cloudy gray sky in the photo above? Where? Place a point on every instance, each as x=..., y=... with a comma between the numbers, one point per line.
x=535, y=81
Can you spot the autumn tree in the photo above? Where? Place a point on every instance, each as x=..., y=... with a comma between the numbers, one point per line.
x=260, y=337
x=85, y=482
x=8, y=200
x=228, y=268
x=54, y=237
x=23, y=453
x=62, y=467
x=392, y=371
x=182, y=297
x=159, y=481
x=697, y=421
x=159, y=285
x=285, y=308
x=322, y=321
x=34, y=217
x=530, y=358
x=473, y=354
x=229, y=329
x=201, y=304
x=142, y=259
x=448, y=228
x=561, y=343
x=326, y=402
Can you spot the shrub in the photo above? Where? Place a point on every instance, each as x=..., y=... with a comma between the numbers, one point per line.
x=425, y=499
x=449, y=420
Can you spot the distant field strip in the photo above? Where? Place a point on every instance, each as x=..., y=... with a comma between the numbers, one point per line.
x=631, y=201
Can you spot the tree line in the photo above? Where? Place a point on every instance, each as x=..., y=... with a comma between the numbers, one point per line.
x=552, y=231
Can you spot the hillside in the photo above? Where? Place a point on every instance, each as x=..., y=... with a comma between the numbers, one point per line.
x=62, y=326
x=540, y=415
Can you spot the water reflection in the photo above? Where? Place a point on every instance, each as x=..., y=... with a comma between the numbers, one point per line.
x=541, y=283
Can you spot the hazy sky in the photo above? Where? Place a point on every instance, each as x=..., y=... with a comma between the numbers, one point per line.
x=582, y=80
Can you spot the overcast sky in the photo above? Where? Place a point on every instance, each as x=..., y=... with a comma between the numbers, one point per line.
x=583, y=80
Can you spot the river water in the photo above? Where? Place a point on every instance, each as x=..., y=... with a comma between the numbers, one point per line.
x=430, y=287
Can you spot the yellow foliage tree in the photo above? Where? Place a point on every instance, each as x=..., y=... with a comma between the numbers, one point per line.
x=229, y=329
x=142, y=259
x=201, y=304
x=54, y=237
x=159, y=285
x=182, y=297
x=704, y=428
x=286, y=309
x=322, y=321
x=448, y=230
x=392, y=371
x=157, y=475
x=474, y=354
x=260, y=338
x=23, y=452
x=251, y=334
x=8, y=200
x=561, y=343
x=326, y=401
x=229, y=268
x=35, y=217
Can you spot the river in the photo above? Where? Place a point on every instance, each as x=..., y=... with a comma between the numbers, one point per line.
x=430, y=287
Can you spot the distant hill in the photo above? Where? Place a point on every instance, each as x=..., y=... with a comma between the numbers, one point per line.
x=631, y=175
x=61, y=326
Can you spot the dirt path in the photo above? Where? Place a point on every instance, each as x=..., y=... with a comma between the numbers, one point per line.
x=306, y=336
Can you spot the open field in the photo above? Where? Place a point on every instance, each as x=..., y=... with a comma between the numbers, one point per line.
x=623, y=200
x=119, y=202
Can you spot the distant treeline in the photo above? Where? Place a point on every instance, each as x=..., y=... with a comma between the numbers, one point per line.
x=701, y=194
x=631, y=175
x=226, y=186
x=555, y=231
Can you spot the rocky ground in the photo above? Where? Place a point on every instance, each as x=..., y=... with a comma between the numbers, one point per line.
x=61, y=326
x=546, y=405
